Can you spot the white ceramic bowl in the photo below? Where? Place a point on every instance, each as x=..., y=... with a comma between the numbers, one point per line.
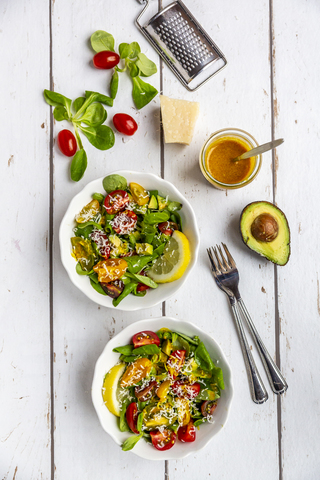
x=109, y=422
x=131, y=302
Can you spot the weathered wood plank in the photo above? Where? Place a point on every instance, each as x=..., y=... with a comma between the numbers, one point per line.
x=24, y=196
x=296, y=70
x=238, y=97
x=82, y=328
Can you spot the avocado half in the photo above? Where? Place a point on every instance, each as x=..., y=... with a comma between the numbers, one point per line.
x=265, y=230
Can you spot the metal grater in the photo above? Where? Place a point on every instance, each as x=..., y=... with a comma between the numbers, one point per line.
x=183, y=44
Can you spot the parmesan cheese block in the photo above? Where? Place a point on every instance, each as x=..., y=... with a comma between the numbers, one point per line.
x=178, y=118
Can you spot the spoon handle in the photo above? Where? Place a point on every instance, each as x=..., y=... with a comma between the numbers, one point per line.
x=261, y=149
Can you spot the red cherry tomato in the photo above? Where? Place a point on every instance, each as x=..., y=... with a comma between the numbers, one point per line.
x=67, y=143
x=132, y=416
x=145, y=393
x=116, y=201
x=125, y=124
x=106, y=59
x=145, y=338
x=175, y=362
x=102, y=242
x=141, y=287
x=168, y=227
x=185, y=390
x=163, y=440
x=124, y=222
x=187, y=433
x=208, y=407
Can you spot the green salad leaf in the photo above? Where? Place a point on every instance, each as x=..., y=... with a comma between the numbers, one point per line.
x=131, y=442
x=114, y=182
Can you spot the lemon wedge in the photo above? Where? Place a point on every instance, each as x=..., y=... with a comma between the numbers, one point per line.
x=111, y=387
x=172, y=264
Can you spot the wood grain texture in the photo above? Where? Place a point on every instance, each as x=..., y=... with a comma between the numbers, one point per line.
x=296, y=70
x=241, y=96
x=251, y=431
x=24, y=307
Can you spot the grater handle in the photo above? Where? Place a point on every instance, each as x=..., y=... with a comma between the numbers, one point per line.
x=146, y=5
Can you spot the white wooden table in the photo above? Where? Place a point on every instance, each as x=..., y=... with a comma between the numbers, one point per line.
x=51, y=334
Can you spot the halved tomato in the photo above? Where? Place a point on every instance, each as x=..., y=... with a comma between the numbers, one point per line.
x=101, y=240
x=187, y=433
x=208, y=407
x=132, y=416
x=116, y=201
x=163, y=440
x=144, y=394
x=168, y=227
x=124, y=222
x=186, y=390
x=175, y=362
x=145, y=338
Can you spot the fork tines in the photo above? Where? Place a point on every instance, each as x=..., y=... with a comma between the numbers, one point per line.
x=220, y=265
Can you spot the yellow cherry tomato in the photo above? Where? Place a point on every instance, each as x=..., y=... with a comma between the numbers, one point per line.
x=88, y=212
x=183, y=411
x=111, y=269
x=139, y=194
x=136, y=372
x=163, y=390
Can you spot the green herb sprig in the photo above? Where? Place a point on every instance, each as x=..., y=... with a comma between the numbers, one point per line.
x=135, y=62
x=87, y=115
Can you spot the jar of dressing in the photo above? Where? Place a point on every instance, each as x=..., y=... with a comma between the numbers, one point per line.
x=217, y=154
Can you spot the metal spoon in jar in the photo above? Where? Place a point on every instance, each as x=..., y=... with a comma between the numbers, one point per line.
x=261, y=149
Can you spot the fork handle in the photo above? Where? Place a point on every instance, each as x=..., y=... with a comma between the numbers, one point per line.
x=257, y=388
x=276, y=379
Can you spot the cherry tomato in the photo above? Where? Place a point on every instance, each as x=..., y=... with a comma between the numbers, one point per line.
x=182, y=389
x=132, y=416
x=187, y=433
x=141, y=287
x=125, y=124
x=124, y=222
x=168, y=227
x=145, y=338
x=139, y=194
x=102, y=242
x=67, y=143
x=163, y=440
x=110, y=270
x=113, y=289
x=208, y=407
x=106, y=59
x=175, y=362
x=145, y=393
x=116, y=201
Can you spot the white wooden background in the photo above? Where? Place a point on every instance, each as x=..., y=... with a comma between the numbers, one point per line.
x=51, y=335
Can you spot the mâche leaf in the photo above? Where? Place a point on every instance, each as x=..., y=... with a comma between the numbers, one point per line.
x=131, y=442
x=94, y=115
x=101, y=40
x=60, y=113
x=114, y=84
x=114, y=182
x=100, y=98
x=147, y=67
x=78, y=165
x=101, y=137
x=142, y=92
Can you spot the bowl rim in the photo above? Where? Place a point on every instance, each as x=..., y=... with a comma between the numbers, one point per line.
x=104, y=358
x=106, y=301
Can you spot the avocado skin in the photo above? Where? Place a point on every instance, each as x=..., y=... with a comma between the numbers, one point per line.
x=284, y=230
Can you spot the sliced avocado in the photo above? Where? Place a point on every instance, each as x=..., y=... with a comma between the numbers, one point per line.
x=162, y=202
x=144, y=249
x=153, y=204
x=265, y=230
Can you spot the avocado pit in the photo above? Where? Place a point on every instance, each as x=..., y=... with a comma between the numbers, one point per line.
x=265, y=228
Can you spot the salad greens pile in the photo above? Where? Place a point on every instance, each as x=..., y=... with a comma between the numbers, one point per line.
x=137, y=64
x=87, y=115
x=119, y=235
x=169, y=387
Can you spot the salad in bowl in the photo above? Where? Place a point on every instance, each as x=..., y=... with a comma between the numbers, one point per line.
x=166, y=392
x=129, y=239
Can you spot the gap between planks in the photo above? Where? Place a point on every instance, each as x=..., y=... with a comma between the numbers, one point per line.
x=274, y=189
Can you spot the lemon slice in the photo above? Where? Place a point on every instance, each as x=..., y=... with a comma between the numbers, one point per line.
x=173, y=263
x=110, y=388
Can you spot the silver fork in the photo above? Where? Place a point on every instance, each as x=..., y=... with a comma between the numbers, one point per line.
x=226, y=276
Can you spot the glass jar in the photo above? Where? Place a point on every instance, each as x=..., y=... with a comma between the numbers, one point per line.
x=245, y=139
